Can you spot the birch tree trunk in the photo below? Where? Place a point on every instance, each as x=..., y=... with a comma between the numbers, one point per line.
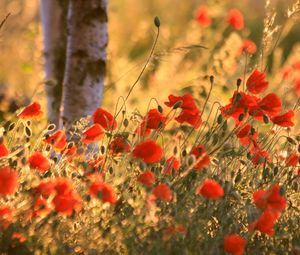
x=54, y=19
x=85, y=60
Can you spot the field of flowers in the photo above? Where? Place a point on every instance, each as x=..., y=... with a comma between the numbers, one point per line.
x=209, y=167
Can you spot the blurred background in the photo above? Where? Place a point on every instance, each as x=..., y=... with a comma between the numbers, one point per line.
x=178, y=63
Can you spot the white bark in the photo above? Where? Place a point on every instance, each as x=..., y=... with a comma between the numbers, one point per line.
x=85, y=60
x=53, y=17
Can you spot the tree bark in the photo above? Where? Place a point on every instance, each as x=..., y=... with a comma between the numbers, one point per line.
x=85, y=60
x=53, y=17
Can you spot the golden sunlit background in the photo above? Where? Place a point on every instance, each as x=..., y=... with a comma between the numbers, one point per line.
x=177, y=64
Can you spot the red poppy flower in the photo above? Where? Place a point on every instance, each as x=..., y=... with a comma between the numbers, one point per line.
x=265, y=222
x=45, y=188
x=293, y=159
x=62, y=186
x=40, y=208
x=103, y=191
x=235, y=19
x=147, y=178
x=284, y=120
x=297, y=87
x=163, y=192
x=210, y=189
x=190, y=112
x=173, y=230
x=244, y=131
x=234, y=244
x=171, y=164
x=248, y=46
x=71, y=151
x=3, y=151
x=19, y=237
x=95, y=165
x=260, y=156
x=148, y=151
x=58, y=140
x=202, y=16
x=8, y=181
x=245, y=136
x=105, y=119
x=256, y=82
x=92, y=134
x=6, y=217
x=270, y=199
x=38, y=162
x=202, y=158
x=239, y=103
x=154, y=120
x=67, y=203
x=31, y=111
x=270, y=105
x=119, y=145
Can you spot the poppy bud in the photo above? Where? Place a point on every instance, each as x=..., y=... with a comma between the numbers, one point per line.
x=157, y=22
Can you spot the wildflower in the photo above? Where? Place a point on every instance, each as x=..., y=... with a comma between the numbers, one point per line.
x=270, y=199
x=265, y=223
x=190, y=112
x=62, y=186
x=153, y=120
x=202, y=16
x=147, y=178
x=38, y=162
x=210, y=189
x=3, y=151
x=270, y=105
x=293, y=159
x=256, y=82
x=171, y=164
x=103, y=191
x=18, y=236
x=31, y=111
x=45, y=188
x=234, y=244
x=67, y=203
x=6, y=217
x=40, y=208
x=202, y=158
x=148, y=151
x=248, y=46
x=8, y=181
x=119, y=145
x=173, y=230
x=284, y=120
x=105, y=119
x=92, y=134
x=58, y=140
x=163, y=192
x=235, y=19
x=260, y=156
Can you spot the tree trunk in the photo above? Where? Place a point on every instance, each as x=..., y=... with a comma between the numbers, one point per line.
x=53, y=17
x=85, y=60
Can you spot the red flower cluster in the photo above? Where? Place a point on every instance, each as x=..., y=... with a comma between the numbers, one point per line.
x=152, y=121
x=58, y=140
x=147, y=178
x=234, y=244
x=270, y=199
x=105, y=119
x=31, y=111
x=148, y=151
x=202, y=16
x=190, y=112
x=210, y=189
x=103, y=191
x=202, y=158
x=92, y=134
x=235, y=19
x=39, y=162
x=172, y=164
x=163, y=192
x=6, y=217
x=8, y=181
x=119, y=145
